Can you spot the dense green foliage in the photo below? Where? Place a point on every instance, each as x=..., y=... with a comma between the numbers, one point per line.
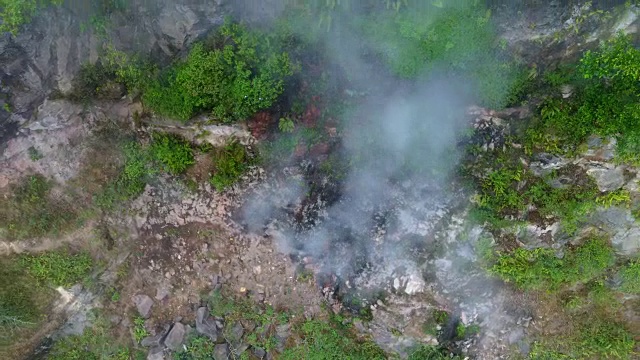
x=15, y=13
x=456, y=38
x=58, y=268
x=234, y=79
x=606, y=100
x=172, y=152
x=542, y=269
x=230, y=163
x=32, y=211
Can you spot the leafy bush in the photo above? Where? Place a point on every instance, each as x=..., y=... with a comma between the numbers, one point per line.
x=234, y=80
x=32, y=211
x=15, y=13
x=173, y=152
x=606, y=100
x=230, y=163
x=456, y=37
x=58, y=268
x=541, y=268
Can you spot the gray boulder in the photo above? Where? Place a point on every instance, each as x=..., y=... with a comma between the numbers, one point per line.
x=175, y=338
x=221, y=352
x=143, y=305
x=205, y=324
x=608, y=179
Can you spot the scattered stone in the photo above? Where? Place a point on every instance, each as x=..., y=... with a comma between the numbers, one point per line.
x=515, y=335
x=206, y=325
x=161, y=293
x=260, y=353
x=143, y=304
x=156, y=353
x=175, y=338
x=151, y=341
x=221, y=352
x=236, y=332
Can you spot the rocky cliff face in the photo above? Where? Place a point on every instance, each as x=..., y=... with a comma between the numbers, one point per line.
x=47, y=53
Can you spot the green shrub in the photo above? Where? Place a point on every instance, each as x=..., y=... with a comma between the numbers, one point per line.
x=172, y=151
x=234, y=80
x=58, y=268
x=630, y=275
x=230, y=163
x=542, y=269
x=606, y=100
x=456, y=37
x=15, y=13
x=32, y=211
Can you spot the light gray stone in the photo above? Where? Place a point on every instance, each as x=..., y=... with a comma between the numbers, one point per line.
x=205, y=324
x=175, y=338
x=608, y=179
x=221, y=352
x=143, y=305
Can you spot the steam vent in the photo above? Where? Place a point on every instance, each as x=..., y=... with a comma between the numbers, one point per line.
x=319, y=179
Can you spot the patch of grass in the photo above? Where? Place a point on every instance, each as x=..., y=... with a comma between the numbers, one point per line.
x=541, y=269
x=594, y=338
x=58, y=268
x=431, y=352
x=238, y=75
x=463, y=331
x=330, y=340
x=197, y=348
x=18, y=306
x=630, y=275
x=230, y=163
x=131, y=181
x=94, y=343
x=31, y=210
x=139, y=331
x=172, y=151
